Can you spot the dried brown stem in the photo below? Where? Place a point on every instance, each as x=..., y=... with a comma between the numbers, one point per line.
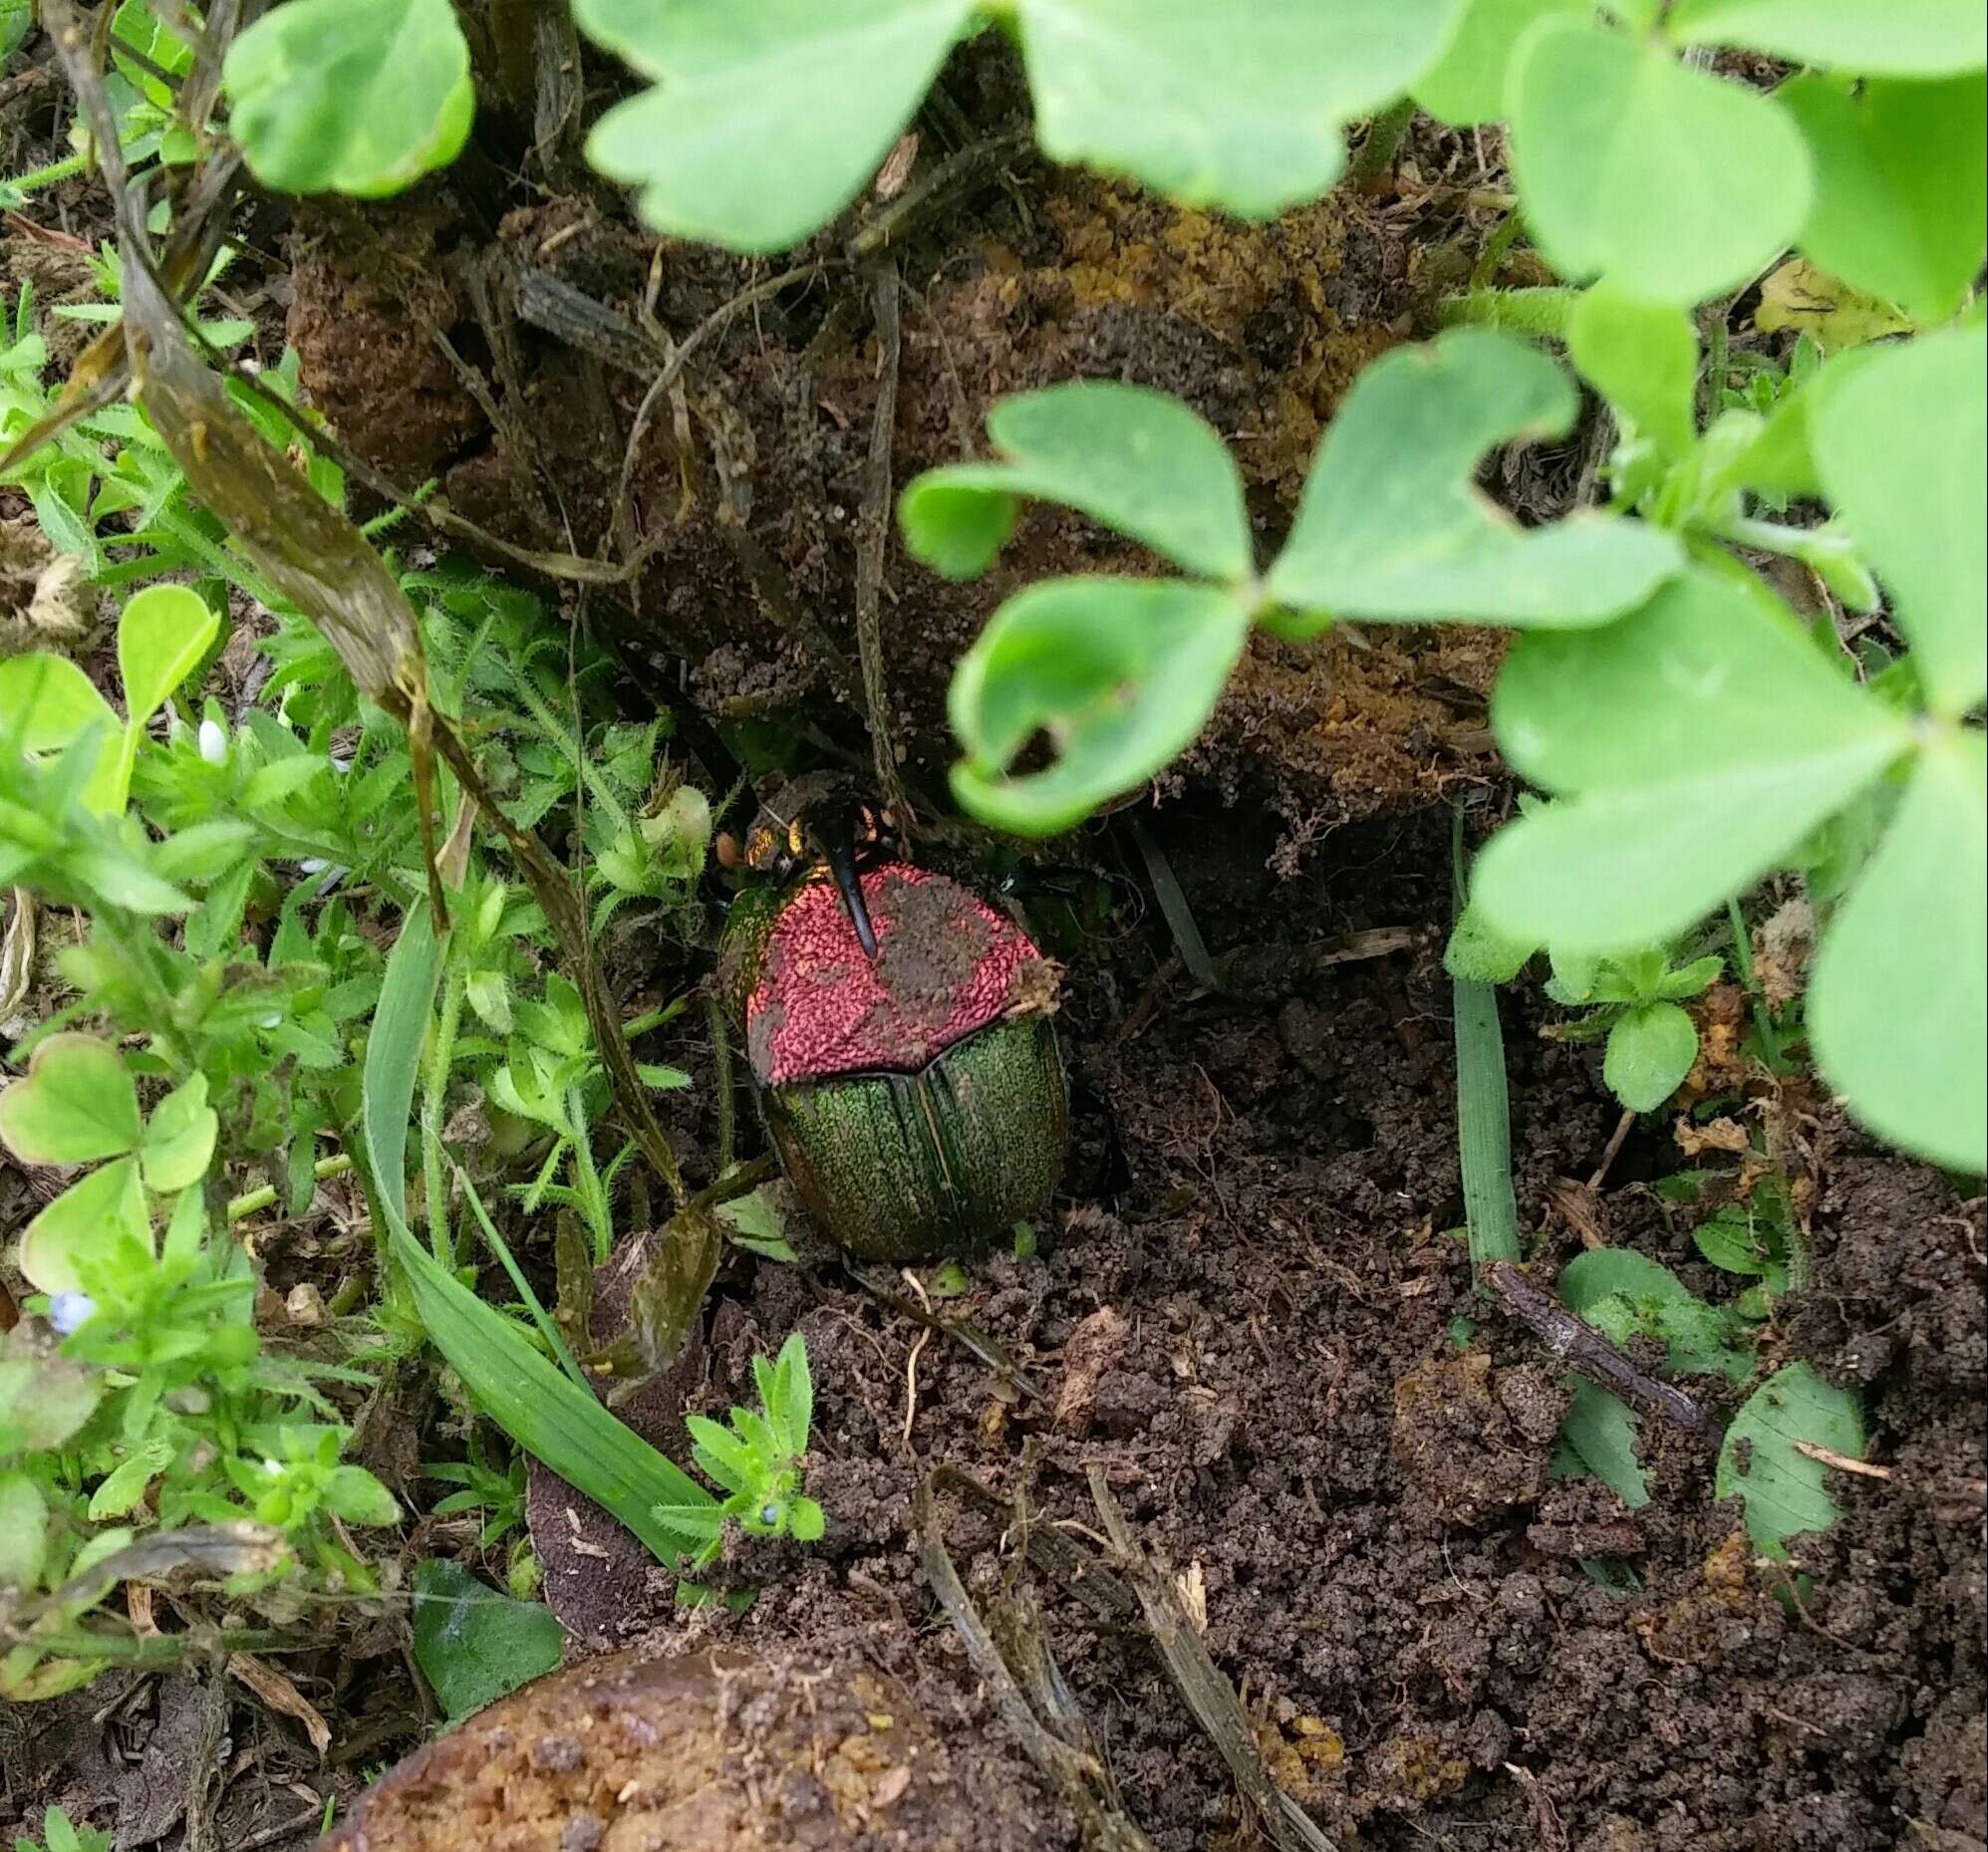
x=1580, y=1347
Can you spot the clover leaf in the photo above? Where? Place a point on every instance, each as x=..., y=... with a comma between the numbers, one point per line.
x=766, y=120
x=1642, y=357
x=74, y=1105
x=1392, y=526
x=1692, y=748
x=1465, y=85
x=1234, y=106
x=1901, y=185
x=1673, y=183
x=1761, y=1462
x=1134, y=459
x=1897, y=1006
x=359, y=96
x=1922, y=528
x=1121, y=674
x=1903, y=38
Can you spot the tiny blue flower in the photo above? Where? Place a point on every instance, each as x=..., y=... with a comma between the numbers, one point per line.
x=71, y=1311
x=769, y=1515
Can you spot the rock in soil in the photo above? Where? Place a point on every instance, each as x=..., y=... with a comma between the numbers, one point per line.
x=702, y=1752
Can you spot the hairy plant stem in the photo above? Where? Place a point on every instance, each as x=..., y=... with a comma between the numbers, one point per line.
x=434, y=1090
x=1383, y=141
x=254, y=1202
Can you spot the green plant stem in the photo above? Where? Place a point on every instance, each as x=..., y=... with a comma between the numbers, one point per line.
x=254, y=1201
x=1763, y=1017
x=36, y=178
x=591, y=1190
x=1383, y=140
x=159, y=1650
x=1540, y=311
x=1484, y=273
x=720, y=1051
x=1484, y=1107
x=435, y=1091
x=547, y=1326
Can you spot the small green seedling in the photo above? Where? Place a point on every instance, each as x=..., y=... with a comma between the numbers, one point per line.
x=59, y=1832
x=47, y=704
x=1757, y=1239
x=1632, y=1000
x=758, y=1460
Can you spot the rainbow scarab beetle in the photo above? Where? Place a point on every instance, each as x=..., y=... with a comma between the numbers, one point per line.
x=901, y=1036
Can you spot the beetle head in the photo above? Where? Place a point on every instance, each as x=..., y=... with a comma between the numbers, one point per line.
x=815, y=822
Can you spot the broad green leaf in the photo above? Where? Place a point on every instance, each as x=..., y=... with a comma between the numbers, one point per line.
x=359, y=96
x=1467, y=83
x=1783, y=1489
x=1392, y=526
x=1876, y=38
x=75, y=1103
x=164, y=631
x=1674, y=184
x=1136, y=461
x=1601, y=1428
x=353, y=1493
x=125, y=1484
x=1121, y=674
x=1924, y=528
x=1650, y=1050
x=46, y=701
x=1901, y=185
x=24, y=1531
x=16, y=16
x=476, y=1645
x=1694, y=745
x=1642, y=357
x=137, y=24
x=1627, y=1296
x=179, y=1141
x=767, y=118
x=1237, y=107
x=1899, y=1002
x=93, y=1236
x=43, y=1401
x=393, y=1052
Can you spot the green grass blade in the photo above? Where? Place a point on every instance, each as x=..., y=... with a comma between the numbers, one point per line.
x=523, y=1392
x=393, y=1057
x=554, y=1339
x=1484, y=1112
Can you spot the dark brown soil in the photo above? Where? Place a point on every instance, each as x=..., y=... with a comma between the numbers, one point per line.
x=1244, y=1311
x=748, y=491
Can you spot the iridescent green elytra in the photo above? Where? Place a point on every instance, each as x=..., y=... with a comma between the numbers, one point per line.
x=917, y=1100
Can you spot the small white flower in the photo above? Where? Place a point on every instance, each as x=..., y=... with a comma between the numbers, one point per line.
x=214, y=741
x=71, y=1311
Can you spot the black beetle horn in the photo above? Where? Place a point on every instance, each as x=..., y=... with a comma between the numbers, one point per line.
x=840, y=854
